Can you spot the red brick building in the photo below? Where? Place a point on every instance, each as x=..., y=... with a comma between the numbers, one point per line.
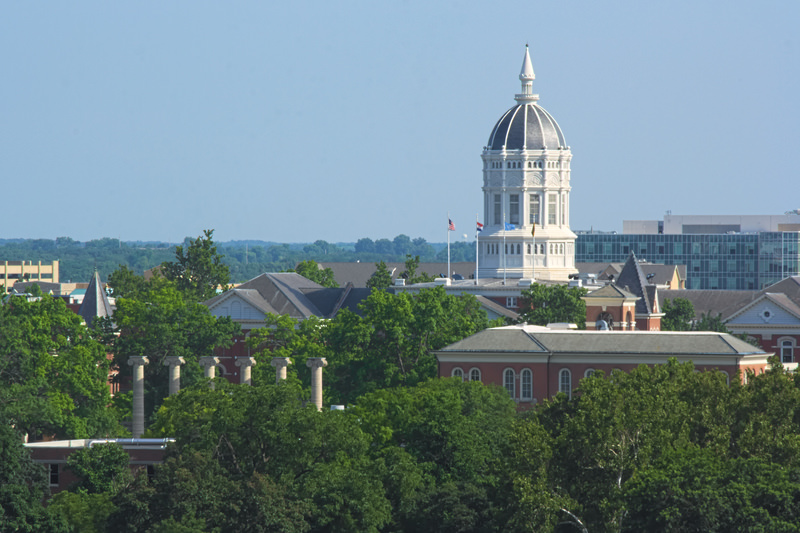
x=534, y=362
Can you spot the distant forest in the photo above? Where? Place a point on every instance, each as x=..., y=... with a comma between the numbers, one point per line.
x=246, y=259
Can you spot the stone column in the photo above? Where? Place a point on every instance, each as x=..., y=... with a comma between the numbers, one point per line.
x=209, y=365
x=316, y=364
x=138, y=362
x=174, y=363
x=244, y=364
x=280, y=364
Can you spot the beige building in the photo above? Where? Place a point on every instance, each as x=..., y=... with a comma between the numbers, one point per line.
x=14, y=271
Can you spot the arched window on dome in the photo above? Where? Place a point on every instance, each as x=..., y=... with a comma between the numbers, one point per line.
x=529, y=250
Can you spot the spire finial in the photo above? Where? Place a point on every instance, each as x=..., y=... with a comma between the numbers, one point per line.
x=526, y=76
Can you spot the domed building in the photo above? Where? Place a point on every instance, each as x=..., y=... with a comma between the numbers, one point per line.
x=526, y=171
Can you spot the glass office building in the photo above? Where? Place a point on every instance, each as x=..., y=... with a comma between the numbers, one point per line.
x=734, y=261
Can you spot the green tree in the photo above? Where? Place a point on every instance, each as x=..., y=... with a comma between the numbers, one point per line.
x=614, y=427
x=309, y=269
x=381, y=278
x=696, y=490
x=678, y=315
x=311, y=469
x=545, y=304
x=22, y=487
x=125, y=283
x=198, y=270
x=440, y=446
x=53, y=374
x=100, y=468
x=410, y=273
x=160, y=323
x=709, y=322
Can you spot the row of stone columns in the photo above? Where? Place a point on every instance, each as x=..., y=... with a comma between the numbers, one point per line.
x=209, y=364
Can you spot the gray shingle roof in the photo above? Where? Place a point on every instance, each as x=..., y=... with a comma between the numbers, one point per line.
x=515, y=339
x=632, y=279
x=95, y=302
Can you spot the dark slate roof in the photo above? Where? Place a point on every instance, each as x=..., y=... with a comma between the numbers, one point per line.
x=280, y=293
x=359, y=273
x=526, y=126
x=95, y=302
x=526, y=339
x=610, y=291
x=632, y=279
x=288, y=293
x=711, y=302
x=496, y=308
x=661, y=274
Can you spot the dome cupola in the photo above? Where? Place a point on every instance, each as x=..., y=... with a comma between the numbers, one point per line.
x=526, y=126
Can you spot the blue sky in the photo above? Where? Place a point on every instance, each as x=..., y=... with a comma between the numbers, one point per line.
x=298, y=121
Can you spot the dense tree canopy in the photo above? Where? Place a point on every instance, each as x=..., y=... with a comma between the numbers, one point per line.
x=388, y=345
x=309, y=269
x=198, y=270
x=545, y=304
x=53, y=374
x=678, y=315
x=160, y=322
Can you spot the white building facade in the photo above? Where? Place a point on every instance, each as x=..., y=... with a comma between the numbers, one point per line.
x=526, y=185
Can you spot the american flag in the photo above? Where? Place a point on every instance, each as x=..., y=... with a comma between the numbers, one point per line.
x=450, y=225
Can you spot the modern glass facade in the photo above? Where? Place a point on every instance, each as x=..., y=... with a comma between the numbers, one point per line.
x=735, y=261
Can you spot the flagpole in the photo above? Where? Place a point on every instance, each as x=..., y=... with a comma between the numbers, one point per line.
x=533, y=256
x=448, y=245
x=504, y=246
x=477, y=233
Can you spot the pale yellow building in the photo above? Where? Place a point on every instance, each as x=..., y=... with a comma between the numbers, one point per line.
x=14, y=271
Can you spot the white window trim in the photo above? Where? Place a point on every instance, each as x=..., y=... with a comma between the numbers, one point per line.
x=561, y=383
x=522, y=395
x=478, y=370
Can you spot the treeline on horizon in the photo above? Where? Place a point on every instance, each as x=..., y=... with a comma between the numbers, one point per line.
x=245, y=259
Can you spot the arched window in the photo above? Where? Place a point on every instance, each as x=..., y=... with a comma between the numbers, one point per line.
x=787, y=351
x=727, y=377
x=508, y=382
x=589, y=373
x=526, y=385
x=457, y=373
x=475, y=374
x=565, y=382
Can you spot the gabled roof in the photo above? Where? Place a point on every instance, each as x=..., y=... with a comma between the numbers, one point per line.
x=711, y=302
x=780, y=300
x=632, y=279
x=493, y=307
x=611, y=291
x=281, y=293
x=95, y=302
